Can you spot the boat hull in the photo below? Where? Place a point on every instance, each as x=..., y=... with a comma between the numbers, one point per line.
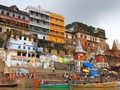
x=8, y=85
x=54, y=86
x=98, y=85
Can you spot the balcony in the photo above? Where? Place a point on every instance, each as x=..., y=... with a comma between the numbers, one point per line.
x=39, y=18
x=13, y=24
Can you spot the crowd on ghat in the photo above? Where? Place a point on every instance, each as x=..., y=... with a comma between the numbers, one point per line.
x=10, y=77
x=65, y=77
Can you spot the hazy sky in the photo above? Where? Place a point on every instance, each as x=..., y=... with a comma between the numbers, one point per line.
x=104, y=14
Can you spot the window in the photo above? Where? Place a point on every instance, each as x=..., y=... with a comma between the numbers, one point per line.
x=23, y=18
x=24, y=54
x=20, y=37
x=56, y=39
x=33, y=55
x=37, y=21
x=19, y=47
x=66, y=36
x=24, y=38
x=13, y=15
x=29, y=39
x=37, y=55
x=57, y=51
x=33, y=48
x=34, y=40
x=28, y=48
x=49, y=50
x=72, y=37
x=7, y=30
x=65, y=52
x=24, y=47
x=19, y=17
x=44, y=23
x=14, y=37
x=2, y=12
x=0, y=29
x=31, y=19
x=81, y=36
x=7, y=14
x=36, y=14
x=28, y=54
x=44, y=37
x=19, y=53
x=88, y=44
x=31, y=12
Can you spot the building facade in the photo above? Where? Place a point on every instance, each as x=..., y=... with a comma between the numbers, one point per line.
x=89, y=37
x=39, y=21
x=14, y=23
x=57, y=31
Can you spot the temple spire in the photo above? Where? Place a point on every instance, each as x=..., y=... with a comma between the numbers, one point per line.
x=79, y=48
x=99, y=51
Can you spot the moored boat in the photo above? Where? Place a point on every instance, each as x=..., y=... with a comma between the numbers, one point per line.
x=95, y=85
x=9, y=85
x=54, y=86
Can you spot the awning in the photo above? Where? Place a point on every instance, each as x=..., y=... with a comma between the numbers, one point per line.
x=85, y=70
x=87, y=64
x=22, y=71
x=54, y=58
x=65, y=59
x=60, y=60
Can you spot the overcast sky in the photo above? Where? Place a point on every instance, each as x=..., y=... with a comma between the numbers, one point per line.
x=103, y=14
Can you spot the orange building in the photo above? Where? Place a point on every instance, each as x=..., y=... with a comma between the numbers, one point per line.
x=57, y=30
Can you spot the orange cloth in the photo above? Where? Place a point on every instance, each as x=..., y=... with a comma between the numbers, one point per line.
x=14, y=76
x=3, y=78
x=9, y=77
x=34, y=72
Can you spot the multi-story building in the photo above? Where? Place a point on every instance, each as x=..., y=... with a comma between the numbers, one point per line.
x=21, y=47
x=89, y=37
x=13, y=18
x=19, y=44
x=39, y=21
x=48, y=26
x=57, y=31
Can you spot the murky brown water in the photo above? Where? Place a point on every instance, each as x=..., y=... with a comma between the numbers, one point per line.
x=112, y=88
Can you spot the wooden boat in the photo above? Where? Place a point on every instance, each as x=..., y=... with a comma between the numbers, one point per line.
x=54, y=86
x=9, y=85
x=95, y=85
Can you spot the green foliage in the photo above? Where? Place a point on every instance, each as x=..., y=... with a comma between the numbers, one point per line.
x=91, y=29
x=68, y=26
x=72, y=24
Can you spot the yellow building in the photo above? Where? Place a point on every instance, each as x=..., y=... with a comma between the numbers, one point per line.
x=57, y=30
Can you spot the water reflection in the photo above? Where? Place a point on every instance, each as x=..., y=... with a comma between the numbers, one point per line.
x=112, y=88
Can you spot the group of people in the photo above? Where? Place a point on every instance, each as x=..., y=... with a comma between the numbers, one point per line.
x=70, y=78
x=10, y=77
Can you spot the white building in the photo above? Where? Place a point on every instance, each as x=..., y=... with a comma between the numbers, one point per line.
x=39, y=21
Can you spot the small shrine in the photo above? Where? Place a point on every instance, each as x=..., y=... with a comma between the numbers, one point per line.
x=99, y=55
x=79, y=52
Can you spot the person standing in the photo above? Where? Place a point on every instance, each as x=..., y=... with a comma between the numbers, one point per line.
x=53, y=70
x=3, y=79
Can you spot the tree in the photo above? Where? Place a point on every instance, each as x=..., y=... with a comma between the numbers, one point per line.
x=91, y=29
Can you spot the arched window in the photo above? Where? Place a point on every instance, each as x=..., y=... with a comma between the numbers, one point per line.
x=2, y=12
x=7, y=14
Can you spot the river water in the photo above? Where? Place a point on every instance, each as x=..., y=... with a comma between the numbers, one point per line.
x=112, y=88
